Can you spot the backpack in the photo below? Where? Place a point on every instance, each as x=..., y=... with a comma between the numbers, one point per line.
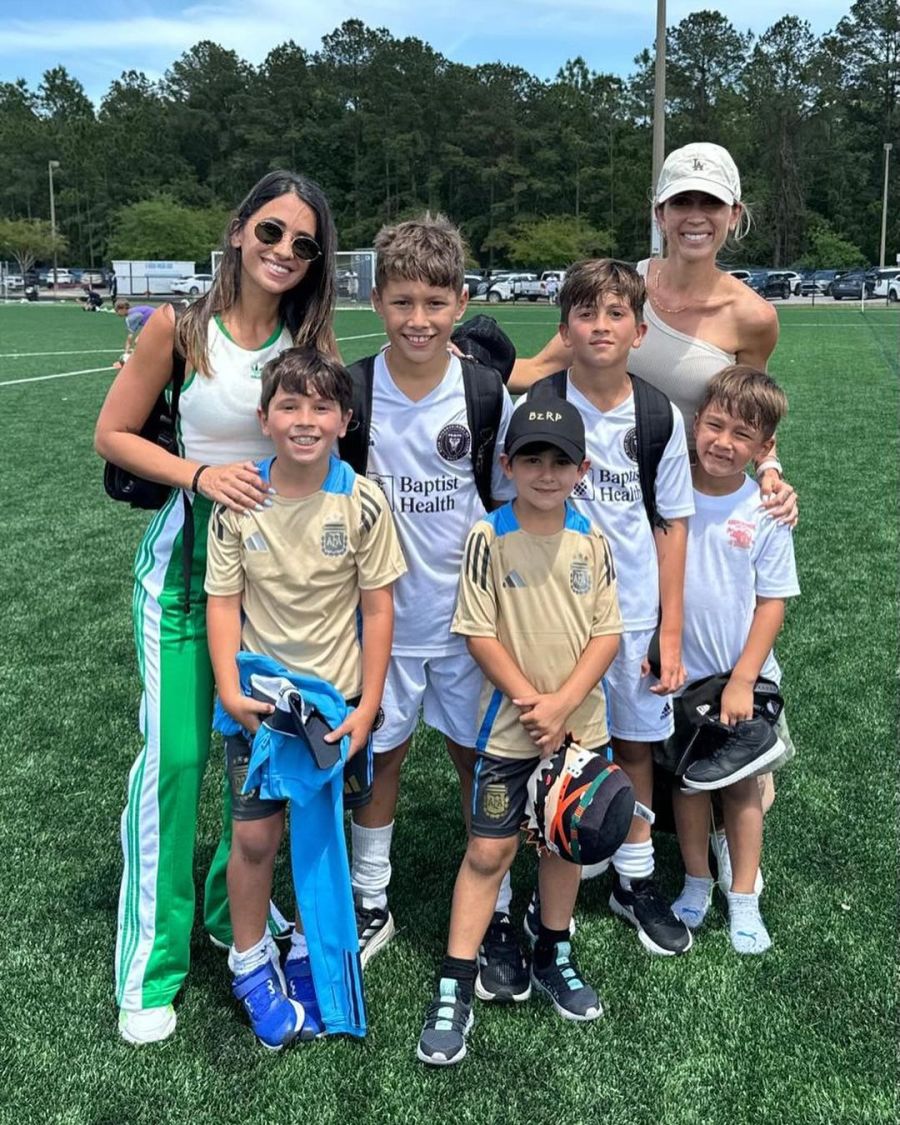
x=484, y=408
x=653, y=419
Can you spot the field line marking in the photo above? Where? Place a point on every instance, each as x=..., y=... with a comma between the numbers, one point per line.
x=81, y=351
x=61, y=375
x=365, y=336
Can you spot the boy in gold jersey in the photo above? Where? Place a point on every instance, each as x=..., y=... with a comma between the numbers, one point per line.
x=285, y=582
x=538, y=608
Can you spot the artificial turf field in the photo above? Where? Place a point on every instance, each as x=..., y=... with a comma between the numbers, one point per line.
x=803, y=1034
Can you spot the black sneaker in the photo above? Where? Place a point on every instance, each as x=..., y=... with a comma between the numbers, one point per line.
x=448, y=1021
x=645, y=908
x=502, y=970
x=532, y=922
x=374, y=928
x=748, y=749
x=561, y=982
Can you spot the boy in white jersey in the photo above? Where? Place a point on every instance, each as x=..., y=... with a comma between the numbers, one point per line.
x=538, y=609
x=601, y=313
x=420, y=452
x=285, y=582
x=740, y=568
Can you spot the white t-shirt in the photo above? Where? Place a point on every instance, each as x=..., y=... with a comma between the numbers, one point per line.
x=217, y=421
x=734, y=553
x=421, y=455
x=610, y=495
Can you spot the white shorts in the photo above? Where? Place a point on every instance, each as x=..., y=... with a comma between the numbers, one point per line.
x=445, y=688
x=635, y=713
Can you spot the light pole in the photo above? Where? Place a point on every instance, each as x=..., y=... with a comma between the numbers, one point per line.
x=887, y=164
x=51, y=164
x=659, y=119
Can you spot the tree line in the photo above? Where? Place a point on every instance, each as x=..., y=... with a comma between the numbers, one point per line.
x=535, y=172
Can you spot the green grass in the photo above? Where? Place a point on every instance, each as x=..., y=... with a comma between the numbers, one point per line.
x=805, y=1034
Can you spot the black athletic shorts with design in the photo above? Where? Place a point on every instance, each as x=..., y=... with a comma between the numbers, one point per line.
x=500, y=794
x=250, y=806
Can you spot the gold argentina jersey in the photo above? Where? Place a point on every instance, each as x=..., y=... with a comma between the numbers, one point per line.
x=543, y=598
x=300, y=565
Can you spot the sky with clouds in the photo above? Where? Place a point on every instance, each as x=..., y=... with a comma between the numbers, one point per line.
x=96, y=41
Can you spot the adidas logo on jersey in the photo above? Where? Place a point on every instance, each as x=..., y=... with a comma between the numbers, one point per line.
x=514, y=581
x=667, y=710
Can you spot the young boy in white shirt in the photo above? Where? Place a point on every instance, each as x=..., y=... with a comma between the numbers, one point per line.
x=739, y=571
x=421, y=452
x=601, y=320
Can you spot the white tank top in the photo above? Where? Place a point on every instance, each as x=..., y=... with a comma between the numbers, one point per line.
x=680, y=366
x=217, y=414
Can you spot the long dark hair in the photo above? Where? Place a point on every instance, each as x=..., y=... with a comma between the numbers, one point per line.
x=307, y=309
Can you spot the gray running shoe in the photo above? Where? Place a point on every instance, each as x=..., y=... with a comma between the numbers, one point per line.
x=561, y=982
x=448, y=1021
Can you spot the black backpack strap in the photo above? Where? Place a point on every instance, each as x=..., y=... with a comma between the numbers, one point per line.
x=553, y=385
x=653, y=416
x=484, y=409
x=354, y=445
x=187, y=530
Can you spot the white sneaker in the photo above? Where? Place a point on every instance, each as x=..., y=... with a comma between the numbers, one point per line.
x=148, y=1025
x=719, y=844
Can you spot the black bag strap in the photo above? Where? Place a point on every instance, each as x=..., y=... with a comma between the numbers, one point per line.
x=484, y=410
x=653, y=420
x=187, y=530
x=653, y=417
x=354, y=445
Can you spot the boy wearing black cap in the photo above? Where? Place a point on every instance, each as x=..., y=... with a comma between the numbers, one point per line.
x=538, y=608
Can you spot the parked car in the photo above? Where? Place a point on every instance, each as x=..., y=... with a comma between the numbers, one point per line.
x=532, y=290
x=63, y=277
x=793, y=279
x=819, y=284
x=770, y=283
x=477, y=285
x=502, y=289
x=893, y=291
x=741, y=275
x=93, y=277
x=878, y=279
x=194, y=285
x=849, y=284
x=15, y=281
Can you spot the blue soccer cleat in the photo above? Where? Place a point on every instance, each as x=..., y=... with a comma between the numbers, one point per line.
x=298, y=977
x=275, y=1019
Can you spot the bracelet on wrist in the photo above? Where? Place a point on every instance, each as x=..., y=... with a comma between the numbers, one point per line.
x=196, y=481
x=769, y=463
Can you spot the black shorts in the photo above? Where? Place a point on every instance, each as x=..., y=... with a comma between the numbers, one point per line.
x=500, y=794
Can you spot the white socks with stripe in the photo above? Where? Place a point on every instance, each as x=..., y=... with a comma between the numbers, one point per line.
x=244, y=962
x=370, y=869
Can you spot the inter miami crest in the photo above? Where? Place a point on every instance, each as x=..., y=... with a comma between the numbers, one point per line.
x=629, y=444
x=334, y=540
x=580, y=576
x=454, y=442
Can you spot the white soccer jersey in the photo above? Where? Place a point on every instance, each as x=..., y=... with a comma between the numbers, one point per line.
x=217, y=420
x=421, y=455
x=610, y=496
x=734, y=553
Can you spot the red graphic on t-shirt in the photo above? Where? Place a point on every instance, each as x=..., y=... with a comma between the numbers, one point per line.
x=740, y=534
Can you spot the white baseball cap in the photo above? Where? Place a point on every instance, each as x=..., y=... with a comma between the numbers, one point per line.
x=700, y=167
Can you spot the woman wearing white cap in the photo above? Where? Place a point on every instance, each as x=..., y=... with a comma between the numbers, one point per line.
x=699, y=319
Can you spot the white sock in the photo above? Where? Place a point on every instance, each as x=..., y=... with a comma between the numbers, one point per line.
x=748, y=930
x=633, y=861
x=370, y=871
x=592, y=870
x=241, y=962
x=299, y=948
x=504, y=896
x=693, y=902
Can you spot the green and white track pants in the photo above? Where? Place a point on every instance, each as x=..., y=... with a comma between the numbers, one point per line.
x=159, y=824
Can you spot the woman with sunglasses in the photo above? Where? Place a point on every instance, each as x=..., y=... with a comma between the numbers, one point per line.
x=275, y=288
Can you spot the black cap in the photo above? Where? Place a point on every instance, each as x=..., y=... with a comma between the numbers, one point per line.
x=546, y=421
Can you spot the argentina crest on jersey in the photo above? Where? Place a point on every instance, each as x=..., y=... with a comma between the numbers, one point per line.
x=580, y=575
x=334, y=539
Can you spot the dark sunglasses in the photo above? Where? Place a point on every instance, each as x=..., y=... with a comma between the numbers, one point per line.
x=270, y=233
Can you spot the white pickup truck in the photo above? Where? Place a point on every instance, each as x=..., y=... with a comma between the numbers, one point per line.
x=533, y=290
